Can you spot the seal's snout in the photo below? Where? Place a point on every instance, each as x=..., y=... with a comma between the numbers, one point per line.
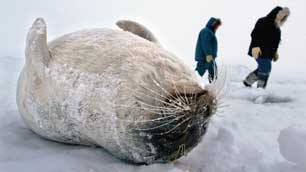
x=176, y=136
x=203, y=107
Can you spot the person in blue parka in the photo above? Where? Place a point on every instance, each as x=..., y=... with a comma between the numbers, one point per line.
x=206, y=49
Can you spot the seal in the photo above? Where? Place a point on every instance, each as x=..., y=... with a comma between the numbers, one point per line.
x=120, y=90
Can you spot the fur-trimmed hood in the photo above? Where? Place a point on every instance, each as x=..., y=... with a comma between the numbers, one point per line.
x=278, y=15
x=282, y=16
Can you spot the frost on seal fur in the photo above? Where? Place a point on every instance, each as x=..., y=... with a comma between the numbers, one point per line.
x=116, y=89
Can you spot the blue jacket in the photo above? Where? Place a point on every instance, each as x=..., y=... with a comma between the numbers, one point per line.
x=207, y=43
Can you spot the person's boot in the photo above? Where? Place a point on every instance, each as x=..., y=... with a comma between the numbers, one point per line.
x=250, y=79
x=262, y=84
x=262, y=81
x=210, y=79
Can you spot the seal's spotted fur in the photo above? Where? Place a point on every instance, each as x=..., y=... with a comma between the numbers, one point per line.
x=116, y=89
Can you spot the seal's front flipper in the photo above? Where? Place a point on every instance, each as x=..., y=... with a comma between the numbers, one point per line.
x=137, y=29
x=37, y=51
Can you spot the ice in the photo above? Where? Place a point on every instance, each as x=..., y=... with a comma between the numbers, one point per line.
x=292, y=145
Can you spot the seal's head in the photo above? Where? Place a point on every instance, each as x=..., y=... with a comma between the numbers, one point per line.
x=179, y=123
x=185, y=131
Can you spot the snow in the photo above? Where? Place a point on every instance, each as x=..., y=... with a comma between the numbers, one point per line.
x=244, y=136
x=292, y=145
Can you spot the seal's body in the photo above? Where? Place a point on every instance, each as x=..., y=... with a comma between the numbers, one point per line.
x=118, y=90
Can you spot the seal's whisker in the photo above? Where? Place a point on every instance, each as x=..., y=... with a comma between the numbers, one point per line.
x=159, y=100
x=223, y=93
x=205, y=121
x=180, y=100
x=219, y=112
x=185, y=94
x=193, y=95
x=220, y=103
x=219, y=98
x=181, y=123
x=222, y=82
x=220, y=109
x=152, y=120
x=177, y=109
x=159, y=95
x=141, y=121
x=178, y=94
x=223, y=106
x=219, y=115
x=172, y=115
x=181, y=95
x=159, y=126
x=159, y=112
x=166, y=92
x=163, y=89
x=154, y=108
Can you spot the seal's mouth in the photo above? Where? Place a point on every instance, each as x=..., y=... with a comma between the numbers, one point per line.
x=184, y=121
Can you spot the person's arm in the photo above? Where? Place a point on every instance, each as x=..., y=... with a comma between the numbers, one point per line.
x=257, y=38
x=206, y=45
x=257, y=33
x=277, y=42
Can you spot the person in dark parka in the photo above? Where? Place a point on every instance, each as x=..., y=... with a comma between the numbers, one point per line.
x=206, y=49
x=266, y=37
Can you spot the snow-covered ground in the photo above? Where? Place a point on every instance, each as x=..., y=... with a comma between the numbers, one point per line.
x=248, y=134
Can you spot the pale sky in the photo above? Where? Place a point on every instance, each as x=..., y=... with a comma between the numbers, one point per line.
x=175, y=23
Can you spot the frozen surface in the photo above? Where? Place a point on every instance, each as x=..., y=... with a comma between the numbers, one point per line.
x=243, y=137
x=292, y=142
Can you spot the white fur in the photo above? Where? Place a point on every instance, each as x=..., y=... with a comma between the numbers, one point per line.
x=82, y=88
x=284, y=13
x=137, y=29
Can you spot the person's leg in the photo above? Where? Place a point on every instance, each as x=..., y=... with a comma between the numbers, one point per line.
x=251, y=78
x=264, y=70
x=201, y=69
x=212, y=72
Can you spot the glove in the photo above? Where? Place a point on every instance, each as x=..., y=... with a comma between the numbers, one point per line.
x=209, y=58
x=276, y=56
x=256, y=52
